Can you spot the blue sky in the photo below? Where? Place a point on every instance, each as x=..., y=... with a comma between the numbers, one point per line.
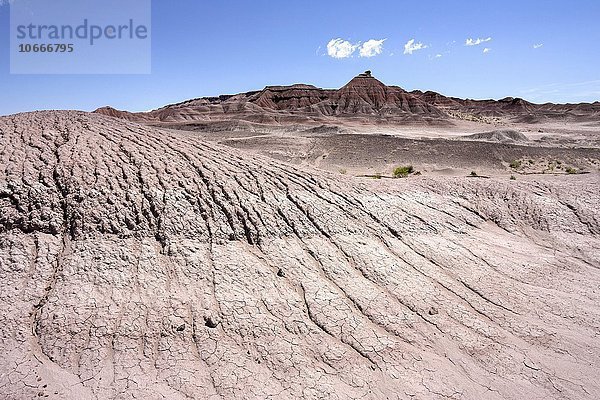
x=203, y=48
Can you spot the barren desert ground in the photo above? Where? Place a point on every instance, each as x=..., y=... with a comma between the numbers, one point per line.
x=179, y=261
x=299, y=200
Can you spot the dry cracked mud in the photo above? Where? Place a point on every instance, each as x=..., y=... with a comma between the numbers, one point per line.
x=141, y=263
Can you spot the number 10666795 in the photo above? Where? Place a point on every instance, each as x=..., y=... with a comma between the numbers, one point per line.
x=46, y=48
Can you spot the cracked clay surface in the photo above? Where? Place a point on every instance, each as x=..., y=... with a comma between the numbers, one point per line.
x=146, y=264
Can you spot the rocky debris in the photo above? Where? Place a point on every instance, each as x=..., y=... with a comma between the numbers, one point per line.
x=210, y=322
x=145, y=263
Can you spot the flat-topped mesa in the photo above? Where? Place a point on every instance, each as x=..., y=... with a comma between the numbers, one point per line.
x=288, y=98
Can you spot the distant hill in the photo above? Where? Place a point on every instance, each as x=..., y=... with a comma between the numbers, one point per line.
x=363, y=100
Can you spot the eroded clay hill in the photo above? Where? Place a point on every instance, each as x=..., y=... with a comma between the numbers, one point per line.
x=364, y=100
x=138, y=263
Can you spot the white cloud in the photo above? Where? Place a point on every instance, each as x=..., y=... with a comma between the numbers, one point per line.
x=537, y=46
x=438, y=56
x=339, y=48
x=371, y=48
x=411, y=46
x=487, y=50
x=476, y=42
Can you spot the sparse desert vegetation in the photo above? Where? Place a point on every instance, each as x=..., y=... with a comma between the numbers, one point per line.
x=473, y=118
x=403, y=172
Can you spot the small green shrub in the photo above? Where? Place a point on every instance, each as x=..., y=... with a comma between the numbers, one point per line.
x=571, y=170
x=516, y=164
x=473, y=173
x=403, y=172
x=513, y=178
x=343, y=171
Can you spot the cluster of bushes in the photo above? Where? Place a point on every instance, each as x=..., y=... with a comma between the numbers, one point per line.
x=571, y=170
x=403, y=172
